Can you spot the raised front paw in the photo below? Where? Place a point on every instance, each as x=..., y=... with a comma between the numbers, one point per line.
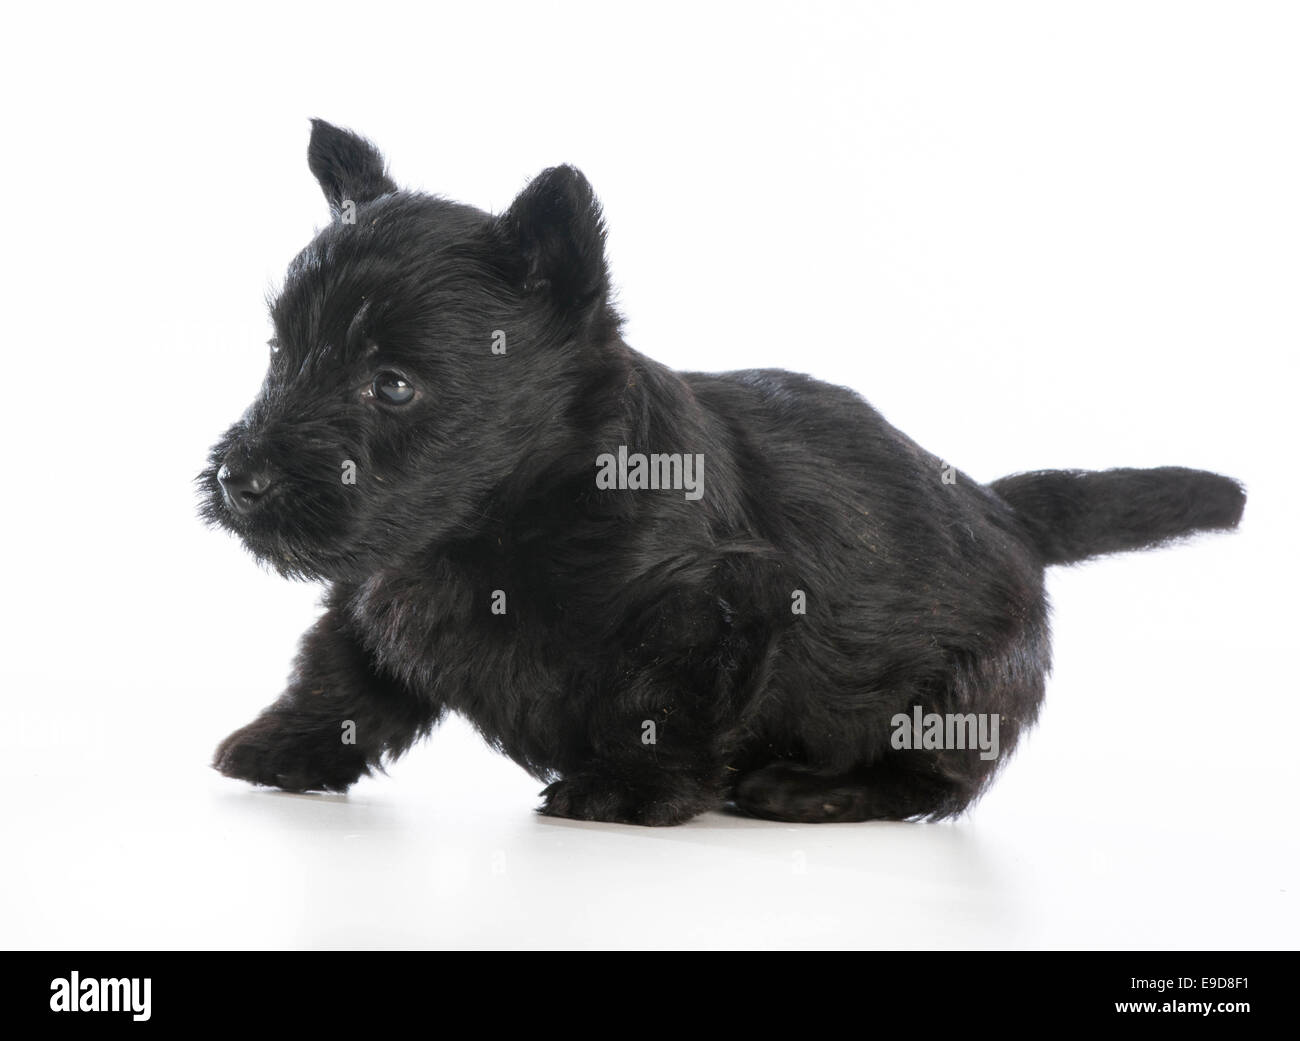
x=591, y=797
x=272, y=751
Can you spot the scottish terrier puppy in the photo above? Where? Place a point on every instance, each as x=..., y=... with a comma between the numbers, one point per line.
x=658, y=592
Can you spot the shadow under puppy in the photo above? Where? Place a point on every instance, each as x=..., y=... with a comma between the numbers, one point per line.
x=660, y=592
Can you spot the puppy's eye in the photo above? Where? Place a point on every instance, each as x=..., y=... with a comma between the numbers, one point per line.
x=274, y=344
x=392, y=389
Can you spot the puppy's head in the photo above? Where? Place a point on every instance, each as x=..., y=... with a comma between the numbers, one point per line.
x=425, y=355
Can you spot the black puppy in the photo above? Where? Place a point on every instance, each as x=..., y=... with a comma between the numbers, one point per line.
x=660, y=592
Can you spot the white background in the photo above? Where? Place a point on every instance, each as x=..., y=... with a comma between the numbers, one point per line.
x=1033, y=234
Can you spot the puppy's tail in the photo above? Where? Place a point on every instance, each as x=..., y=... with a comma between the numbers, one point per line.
x=1071, y=515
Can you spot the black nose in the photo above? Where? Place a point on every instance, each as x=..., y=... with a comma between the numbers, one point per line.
x=243, y=486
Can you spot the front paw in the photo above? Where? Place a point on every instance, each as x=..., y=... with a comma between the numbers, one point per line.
x=272, y=751
x=591, y=797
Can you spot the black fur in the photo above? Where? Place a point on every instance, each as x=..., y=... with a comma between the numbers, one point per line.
x=1072, y=514
x=628, y=613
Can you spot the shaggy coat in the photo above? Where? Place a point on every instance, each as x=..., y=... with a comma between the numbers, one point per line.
x=441, y=387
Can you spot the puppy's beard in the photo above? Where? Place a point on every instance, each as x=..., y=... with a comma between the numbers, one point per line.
x=293, y=559
x=275, y=542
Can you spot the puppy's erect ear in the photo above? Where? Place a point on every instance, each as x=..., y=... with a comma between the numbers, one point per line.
x=556, y=234
x=348, y=167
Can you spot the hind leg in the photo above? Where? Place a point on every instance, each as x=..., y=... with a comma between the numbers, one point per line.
x=786, y=791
